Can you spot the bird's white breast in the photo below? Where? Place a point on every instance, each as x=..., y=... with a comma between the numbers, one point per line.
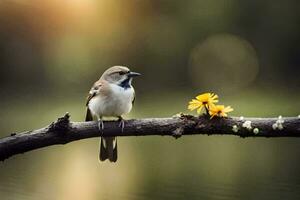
x=117, y=103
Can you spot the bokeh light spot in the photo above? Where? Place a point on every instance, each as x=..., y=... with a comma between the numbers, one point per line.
x=223, y=62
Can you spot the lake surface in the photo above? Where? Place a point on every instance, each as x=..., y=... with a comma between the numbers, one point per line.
x=194, y=167
x=191, y=167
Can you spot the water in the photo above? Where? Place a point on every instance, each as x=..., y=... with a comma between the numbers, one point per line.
x=196, y=167
x=192, y=167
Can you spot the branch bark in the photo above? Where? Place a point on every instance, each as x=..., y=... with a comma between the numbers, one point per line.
x=64, y=131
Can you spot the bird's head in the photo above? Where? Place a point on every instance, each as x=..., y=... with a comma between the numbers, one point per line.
x=119, y=75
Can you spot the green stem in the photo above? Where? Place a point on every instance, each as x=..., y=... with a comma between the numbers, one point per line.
x=207, y=112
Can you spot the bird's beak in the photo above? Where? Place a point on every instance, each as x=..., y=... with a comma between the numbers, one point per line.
x=133, y=74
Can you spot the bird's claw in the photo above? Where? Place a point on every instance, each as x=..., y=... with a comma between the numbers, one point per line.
x=122, y=124
x=100, y=126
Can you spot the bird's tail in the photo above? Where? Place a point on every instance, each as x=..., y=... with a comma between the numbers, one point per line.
x=108, y=146
x=108, y=149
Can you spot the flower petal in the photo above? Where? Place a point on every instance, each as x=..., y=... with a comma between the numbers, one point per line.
x=199, y=109
x=193, y=106
x=212, y=116
x=203, y=97
x=228, y=109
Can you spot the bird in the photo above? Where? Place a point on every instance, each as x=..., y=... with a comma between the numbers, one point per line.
x=111, y=96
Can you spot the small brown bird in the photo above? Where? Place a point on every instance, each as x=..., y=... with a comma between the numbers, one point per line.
x=111, y=96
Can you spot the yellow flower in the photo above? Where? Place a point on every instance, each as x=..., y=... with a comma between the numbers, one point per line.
x=219, y=110
x=204, y=100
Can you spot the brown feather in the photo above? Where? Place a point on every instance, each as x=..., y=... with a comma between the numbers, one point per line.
x=94, y=91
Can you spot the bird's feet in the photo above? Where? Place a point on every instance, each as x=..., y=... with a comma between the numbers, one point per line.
x=100, y=125
x=122, y=123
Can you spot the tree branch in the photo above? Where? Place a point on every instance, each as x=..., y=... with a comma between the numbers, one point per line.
x=64, y=131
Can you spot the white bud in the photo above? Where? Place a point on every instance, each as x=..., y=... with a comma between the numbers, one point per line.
x=241, y=118
x=255, y=130
x=275, y=126
x=280, y=127
x=247, y=124
x=235, y=128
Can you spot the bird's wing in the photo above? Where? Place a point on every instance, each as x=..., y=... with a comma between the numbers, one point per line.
x=94, y=91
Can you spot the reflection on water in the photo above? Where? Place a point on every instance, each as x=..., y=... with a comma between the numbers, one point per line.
x=192, y=167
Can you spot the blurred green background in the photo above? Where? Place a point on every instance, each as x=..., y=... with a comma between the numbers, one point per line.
x=51, y=52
